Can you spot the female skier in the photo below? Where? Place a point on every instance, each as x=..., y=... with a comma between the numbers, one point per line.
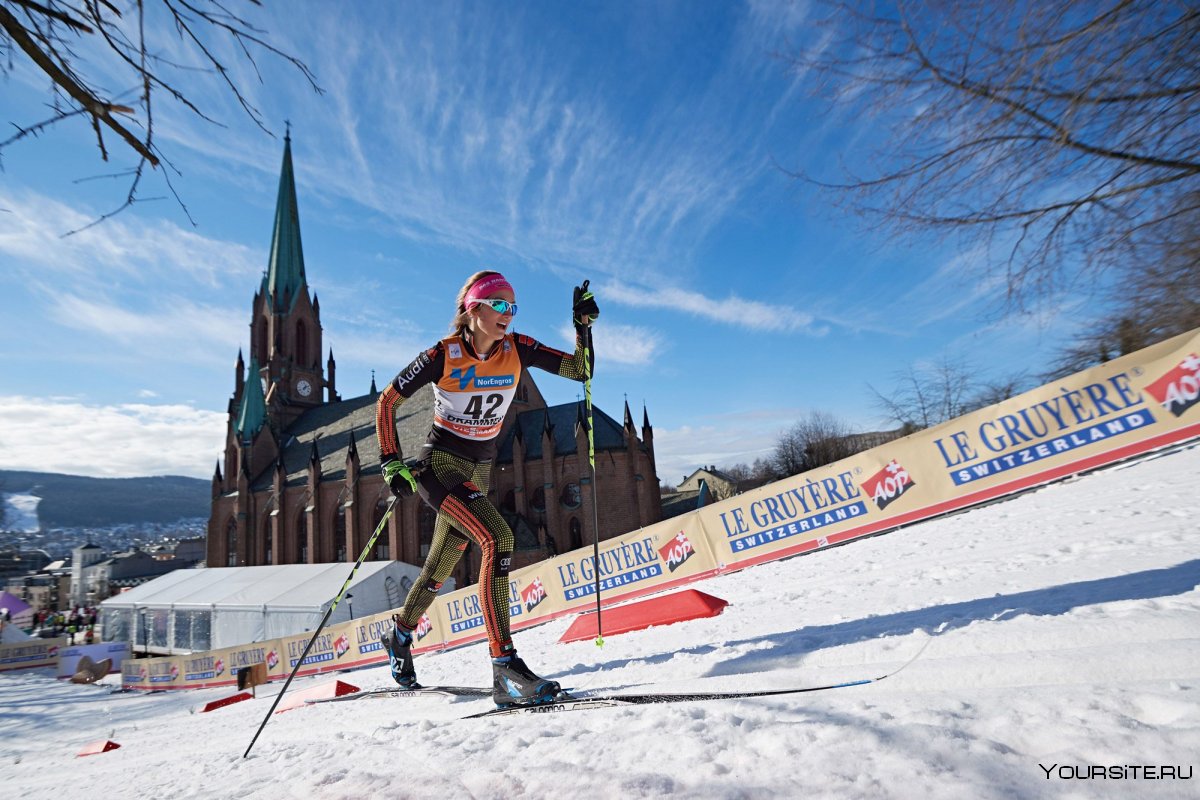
x=474, y=372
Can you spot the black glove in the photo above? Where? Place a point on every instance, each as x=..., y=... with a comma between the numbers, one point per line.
x=583, y=306
x=399, y=478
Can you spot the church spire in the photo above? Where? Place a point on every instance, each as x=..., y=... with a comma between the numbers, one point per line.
x=253, y=411
x=285, y=273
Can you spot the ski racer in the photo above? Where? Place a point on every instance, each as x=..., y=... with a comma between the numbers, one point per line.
x=475, y=372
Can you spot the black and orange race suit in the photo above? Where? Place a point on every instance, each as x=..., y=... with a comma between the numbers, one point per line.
x=472, y=395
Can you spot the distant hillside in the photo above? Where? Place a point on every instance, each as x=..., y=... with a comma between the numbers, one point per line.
x=70, y=501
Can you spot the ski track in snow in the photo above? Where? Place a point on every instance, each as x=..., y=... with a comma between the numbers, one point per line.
x=1063, y=627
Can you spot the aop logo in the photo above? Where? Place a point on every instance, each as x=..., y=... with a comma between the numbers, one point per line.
x=533, y=594
x=888, y=484
x=1179, y=389
x=341, y=645
x=272, y=659
x=677, y=551
x=218, y=667
x=424, y=626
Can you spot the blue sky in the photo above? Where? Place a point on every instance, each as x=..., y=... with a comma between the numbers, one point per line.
x=638, y=145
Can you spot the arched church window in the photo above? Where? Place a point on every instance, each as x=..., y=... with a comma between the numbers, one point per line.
x=510, y=501
x=538, y=500
x=231, y=543
x=576, y=534
x=302, y=344
x=395, y=597
x=382, y=549
x=264, y=537
x=260, y=343
x=339, y=536
x=302, y=537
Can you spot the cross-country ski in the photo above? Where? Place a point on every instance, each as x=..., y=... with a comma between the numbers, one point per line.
x=568, y=702
x=397, y=692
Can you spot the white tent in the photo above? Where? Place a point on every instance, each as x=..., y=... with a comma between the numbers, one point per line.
x=205, y=609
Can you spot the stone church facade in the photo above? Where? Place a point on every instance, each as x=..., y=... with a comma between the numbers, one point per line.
x=300, y=481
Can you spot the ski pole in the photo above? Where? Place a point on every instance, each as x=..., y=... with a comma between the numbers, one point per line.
x=587, y=394
x=361, y=558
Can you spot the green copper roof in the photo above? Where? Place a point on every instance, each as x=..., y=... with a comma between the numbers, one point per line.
x=285, y=274
x=253, y=412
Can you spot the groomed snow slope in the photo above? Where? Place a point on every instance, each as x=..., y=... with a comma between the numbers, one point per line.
x=1063, y=628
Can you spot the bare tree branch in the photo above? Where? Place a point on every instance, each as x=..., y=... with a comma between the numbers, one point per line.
x=49, y=32
x=1064, y=131
x=99, y=110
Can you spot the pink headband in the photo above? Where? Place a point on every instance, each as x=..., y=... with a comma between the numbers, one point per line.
x=487, y=286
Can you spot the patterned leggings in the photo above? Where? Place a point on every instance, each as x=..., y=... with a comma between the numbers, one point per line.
x=457, y=488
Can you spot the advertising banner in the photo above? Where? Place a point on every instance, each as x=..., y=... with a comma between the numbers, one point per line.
x=166, y=673
x=669, y=553
x=31, y=654
x=1129, y=406
x=338, y=647
x=134, y=674
x=1133, y=405
x=268, y=653
x=68, y=657
x=220, y=667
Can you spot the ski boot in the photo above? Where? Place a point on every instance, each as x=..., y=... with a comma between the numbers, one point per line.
x=514, y=684
x=398, y=644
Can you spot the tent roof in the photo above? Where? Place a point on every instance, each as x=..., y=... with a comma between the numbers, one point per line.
x=283, y=585
x=14, y=604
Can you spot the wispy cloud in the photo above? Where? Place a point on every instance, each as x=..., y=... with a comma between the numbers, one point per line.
x=725, y=442
x=468, y=130
x=628, y=345
x=154, y=288
x=174, y=329
x=62, y=435
x=733, y=311
x=125, y=246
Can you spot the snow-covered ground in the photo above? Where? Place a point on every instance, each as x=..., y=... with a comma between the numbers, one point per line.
x=21, y=512
x=1063, y=633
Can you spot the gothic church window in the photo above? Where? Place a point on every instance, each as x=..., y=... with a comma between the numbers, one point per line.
x=339, y=536
x=382, y=549
x=231, y=544
x=302, y=344
x=264, y=537
x=302, y=538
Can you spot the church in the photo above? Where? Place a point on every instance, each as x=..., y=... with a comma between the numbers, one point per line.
x=300, y=481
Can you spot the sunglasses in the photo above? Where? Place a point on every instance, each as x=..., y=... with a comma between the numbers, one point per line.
x=499, y=306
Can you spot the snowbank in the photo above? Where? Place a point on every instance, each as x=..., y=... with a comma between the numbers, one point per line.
x=1063, y=632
